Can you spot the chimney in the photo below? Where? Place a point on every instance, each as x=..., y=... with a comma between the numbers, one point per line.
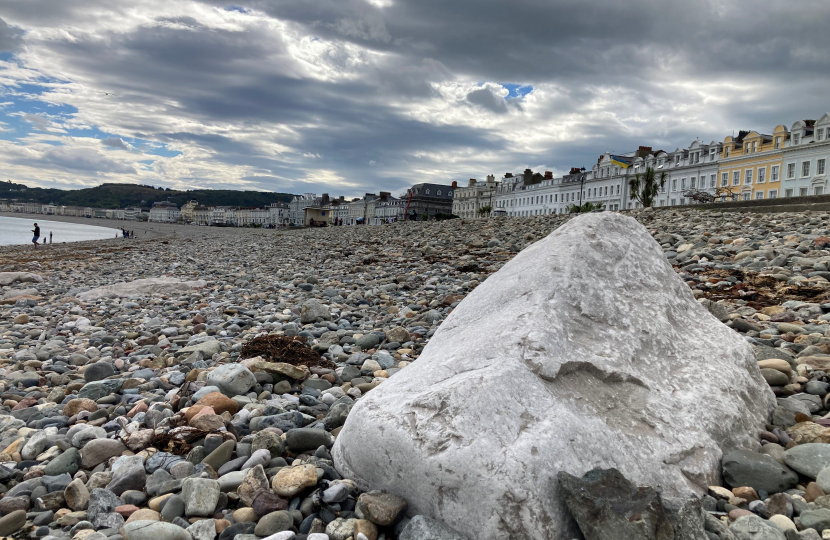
x=454, y=184
x=472, y=182
x=548, y=175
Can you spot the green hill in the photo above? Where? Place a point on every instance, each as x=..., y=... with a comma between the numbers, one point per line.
x=124, y=195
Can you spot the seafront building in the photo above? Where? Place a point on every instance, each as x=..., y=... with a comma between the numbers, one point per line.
x=468, y=201
x=805, y=158
x=752, y=165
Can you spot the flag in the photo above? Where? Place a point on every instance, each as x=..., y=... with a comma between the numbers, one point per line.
x=620, y=162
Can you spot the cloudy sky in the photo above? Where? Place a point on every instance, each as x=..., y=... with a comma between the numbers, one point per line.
x=353, y=96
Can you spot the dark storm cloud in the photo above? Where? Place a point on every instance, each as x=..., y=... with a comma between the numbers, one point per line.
x=484, y=97
x=115, y=142
x=412, y=85
x=10, y=38
x=83, y=161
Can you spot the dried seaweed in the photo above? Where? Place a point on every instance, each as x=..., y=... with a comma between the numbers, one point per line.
x=289, y=350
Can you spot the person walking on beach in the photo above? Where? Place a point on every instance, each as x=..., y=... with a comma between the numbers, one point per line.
x=50, y=237
x=36, y=232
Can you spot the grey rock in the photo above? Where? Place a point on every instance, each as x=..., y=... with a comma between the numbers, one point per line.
x=98, y=371
x=173, y=508
x=200, y=496
x=12, y=523
x=101, y=503
x=312, y=309
x=232, y=379
x=808, y=459
x=758, y=471
x=68, y=462
x=154, y=530
x=818, y=519
x=755, y=528
x=302, y=439
x=274, y=522
x=551, y=382
x=606, y=506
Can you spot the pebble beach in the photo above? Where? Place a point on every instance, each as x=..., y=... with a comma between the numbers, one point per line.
x=189, y=384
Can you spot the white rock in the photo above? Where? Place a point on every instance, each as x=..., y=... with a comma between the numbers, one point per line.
x=142, y=287
x=232, y=379
x=200, y=496
x=204, y=529
x=7, y=278
x=586, y=350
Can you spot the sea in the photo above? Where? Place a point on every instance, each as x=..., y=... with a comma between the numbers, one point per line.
x=19, y=231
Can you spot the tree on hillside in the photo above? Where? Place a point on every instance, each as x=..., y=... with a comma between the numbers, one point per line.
x=645, y=186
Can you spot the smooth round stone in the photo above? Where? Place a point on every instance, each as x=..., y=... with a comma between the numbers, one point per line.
x=154, y=530
x=273, y=523
x=783, y=522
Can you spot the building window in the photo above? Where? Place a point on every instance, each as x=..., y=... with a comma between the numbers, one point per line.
x=674, y=185
x=747, y=148
x=762, y=175
x=802, y=192
x=759, y=195
x=774, y=174
x=724, y=180
x=676, y=162
x=439, y=192
x=820, y=167
x=673, y=202
x=788, y=192
x=818, y=191
x=736, y=178
x=692, y=182
x=746, y=196
x=713, y=181
x=726, y=152
x=748, y=177
x=682, y=183
x=427, y=192
x=449, y=193
x=777, y=146
x=754, y=146
x=805, y=168
x=773, y=193
x=796, y=138
x=790, y=171
x=820, y=134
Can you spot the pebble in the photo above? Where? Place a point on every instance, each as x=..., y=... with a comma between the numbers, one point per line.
x=136, y=370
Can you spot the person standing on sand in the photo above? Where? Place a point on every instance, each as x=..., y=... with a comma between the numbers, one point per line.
x=36, y=232
x=50, y=237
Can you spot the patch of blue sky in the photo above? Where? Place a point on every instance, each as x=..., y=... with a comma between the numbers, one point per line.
x=517, y=90
x=240, y=9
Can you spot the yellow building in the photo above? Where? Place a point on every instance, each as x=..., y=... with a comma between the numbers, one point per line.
x=750, y=164
x=188, y=211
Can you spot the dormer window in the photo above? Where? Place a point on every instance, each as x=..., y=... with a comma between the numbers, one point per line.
x=796, y=139
x=777, y=143
x=820, y=134
x=677, y=160
x=754, y=146
x=439, y=192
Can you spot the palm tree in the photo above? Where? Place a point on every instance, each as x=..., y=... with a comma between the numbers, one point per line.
x=485, y=210
x=585, y=207
x=645, y=186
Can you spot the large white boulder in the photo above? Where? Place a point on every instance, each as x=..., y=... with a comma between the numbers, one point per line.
x=142, y=287
x=584, y=351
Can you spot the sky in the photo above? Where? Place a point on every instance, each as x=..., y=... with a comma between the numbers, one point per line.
x=353, y=96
